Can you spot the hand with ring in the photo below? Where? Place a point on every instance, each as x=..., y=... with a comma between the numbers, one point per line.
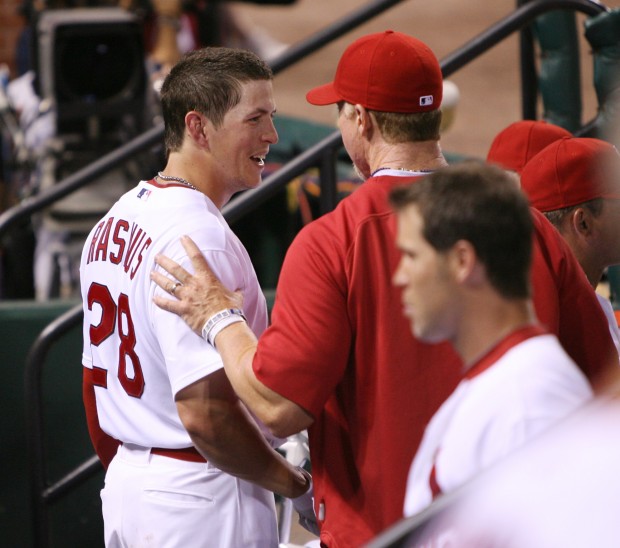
x=203, y=294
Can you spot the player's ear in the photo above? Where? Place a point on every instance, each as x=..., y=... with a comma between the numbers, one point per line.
x=582, y=221
x=365, y=121
x=197, y=127
x=464, y=262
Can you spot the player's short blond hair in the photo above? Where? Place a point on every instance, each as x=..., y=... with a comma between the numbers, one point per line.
x=399, y=127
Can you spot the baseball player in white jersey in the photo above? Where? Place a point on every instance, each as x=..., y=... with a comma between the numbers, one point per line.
x=513, y=393
x=186, y=463
x=465, y=233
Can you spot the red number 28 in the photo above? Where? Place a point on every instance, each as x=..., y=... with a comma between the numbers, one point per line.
x=112, y=315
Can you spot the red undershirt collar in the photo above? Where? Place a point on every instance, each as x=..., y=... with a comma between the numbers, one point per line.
x=500, y=348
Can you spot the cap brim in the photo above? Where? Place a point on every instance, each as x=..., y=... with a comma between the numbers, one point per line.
x=323, y=95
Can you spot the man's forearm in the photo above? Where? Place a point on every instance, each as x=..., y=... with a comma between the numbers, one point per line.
x=233, y=442
x=237, y=347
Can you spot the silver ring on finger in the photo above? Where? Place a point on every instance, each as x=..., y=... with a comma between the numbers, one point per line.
x=174, y=287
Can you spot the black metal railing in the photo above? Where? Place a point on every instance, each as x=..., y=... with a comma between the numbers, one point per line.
x=154, y=136
x=322, y=155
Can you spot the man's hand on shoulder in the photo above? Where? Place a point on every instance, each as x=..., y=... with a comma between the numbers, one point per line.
x=198, y=296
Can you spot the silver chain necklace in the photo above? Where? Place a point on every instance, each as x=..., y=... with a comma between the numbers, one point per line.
x=163, y=177
x=400, y=169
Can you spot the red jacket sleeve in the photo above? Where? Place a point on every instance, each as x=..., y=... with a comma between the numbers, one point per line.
x=105, y=445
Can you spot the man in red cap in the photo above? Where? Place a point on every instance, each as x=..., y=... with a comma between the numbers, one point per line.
x=339, y=358
x=575, y=182
x=517, y=143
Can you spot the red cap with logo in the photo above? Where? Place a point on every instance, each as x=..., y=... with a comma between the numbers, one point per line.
x=387, y=72
x=515, y=145
x=572, y=171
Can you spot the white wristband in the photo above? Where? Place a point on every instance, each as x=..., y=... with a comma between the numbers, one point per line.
x=219, y=321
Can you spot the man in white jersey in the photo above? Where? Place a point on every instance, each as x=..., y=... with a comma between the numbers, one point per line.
x=575, y=183
x=187, y=465
x=465, y=234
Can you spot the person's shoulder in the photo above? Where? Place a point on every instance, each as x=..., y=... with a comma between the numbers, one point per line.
x=527, y=390
x=541, y=370
x=540, y=222
x=538, y=362
x=546, y=234
x=168, y=215
x=552, y=254
x=540, y=353
x=177, y=205
x=369, y=199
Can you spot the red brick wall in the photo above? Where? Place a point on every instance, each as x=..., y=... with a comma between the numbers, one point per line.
x=10, y=26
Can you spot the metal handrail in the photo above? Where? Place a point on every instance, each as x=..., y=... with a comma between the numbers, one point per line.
x=529, y=71
x=154, y=136
x=470, y=51
x=42, y=494
x=322, y=154
x=519, y=19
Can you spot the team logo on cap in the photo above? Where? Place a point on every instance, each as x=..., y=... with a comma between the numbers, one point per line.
x=426, y=100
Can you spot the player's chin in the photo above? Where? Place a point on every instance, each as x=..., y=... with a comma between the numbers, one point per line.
x=429, y=334
x=253, y=179
x=248, y=183
x=251, y=185
x=421, y=330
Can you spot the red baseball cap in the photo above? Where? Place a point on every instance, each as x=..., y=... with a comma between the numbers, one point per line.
x=572, y=171
x=388, y=72
x=516, y=144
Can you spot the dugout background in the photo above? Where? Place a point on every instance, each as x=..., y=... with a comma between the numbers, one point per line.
x=490, y=100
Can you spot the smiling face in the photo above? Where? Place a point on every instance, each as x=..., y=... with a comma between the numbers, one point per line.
x=426, y=281
x=238, y=147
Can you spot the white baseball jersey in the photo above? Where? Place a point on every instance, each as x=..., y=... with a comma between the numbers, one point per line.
x=561, y=490
x=521, y=387
x=142, y=355
x=611, y=320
